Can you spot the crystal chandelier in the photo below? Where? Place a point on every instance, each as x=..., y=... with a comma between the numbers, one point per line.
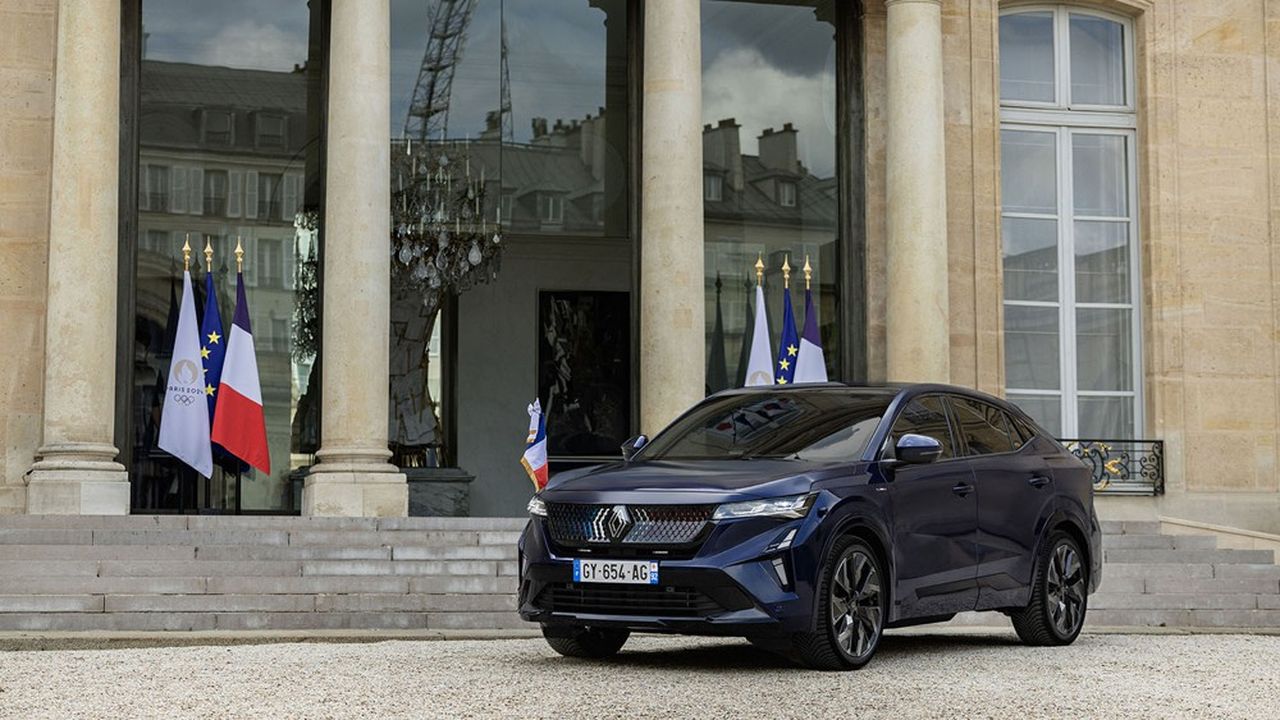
x=441, y=240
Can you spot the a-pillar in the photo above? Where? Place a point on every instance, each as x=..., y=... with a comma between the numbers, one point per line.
x=353, y=477
x=75, y=472
x=917, y=316
x=672, y=340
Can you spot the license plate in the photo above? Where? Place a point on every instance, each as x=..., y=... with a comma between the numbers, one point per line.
x=631, y=572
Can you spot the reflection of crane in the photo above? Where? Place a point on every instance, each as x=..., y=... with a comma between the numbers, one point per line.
x=447, y=33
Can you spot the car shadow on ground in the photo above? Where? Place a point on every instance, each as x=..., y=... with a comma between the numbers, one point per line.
x=733, y=654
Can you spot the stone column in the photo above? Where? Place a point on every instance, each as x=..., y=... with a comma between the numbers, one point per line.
x=353, y=477
x=75, y=472
x=917, y=316
x=672, y=342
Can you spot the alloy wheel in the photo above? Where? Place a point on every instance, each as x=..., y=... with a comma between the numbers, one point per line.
x=856, y=608
x=1065, y=589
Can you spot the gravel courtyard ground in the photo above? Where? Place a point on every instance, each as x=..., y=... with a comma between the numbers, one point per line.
x=915, y=675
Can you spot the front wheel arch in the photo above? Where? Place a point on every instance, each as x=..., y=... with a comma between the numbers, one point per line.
x=865, y=527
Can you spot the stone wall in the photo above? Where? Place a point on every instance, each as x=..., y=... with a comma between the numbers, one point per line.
x=1209, y=191
x=27, y=43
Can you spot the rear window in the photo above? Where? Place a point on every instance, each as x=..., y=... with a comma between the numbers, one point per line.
x=815, y=426
x=982, y=426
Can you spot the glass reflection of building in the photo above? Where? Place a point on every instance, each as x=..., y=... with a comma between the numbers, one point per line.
x=537, y=98
x=226, y=154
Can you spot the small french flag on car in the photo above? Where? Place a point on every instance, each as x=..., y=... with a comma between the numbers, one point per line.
x=535, y=451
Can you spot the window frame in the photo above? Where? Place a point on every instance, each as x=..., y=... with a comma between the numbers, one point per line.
x=1065, y=121
x=1062, y=60
x=1015, y=442
x=888, y=449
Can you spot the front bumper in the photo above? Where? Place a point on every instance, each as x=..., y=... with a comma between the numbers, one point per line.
x=730, y=586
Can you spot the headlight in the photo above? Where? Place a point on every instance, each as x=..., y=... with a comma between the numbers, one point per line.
x=536, y=507
x=792, y=506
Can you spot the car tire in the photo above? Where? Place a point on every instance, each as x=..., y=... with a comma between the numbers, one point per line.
x=1059, y=595
x=851, y=610
x=585, y=642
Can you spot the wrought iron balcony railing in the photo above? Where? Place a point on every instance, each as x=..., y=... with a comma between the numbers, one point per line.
x=1122, y=467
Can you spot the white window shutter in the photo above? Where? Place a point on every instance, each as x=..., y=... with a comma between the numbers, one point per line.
x=235, y=192
x=144, y=187
x=197, y=191
x=178, y=195
x=289, y=204
x=250, y=256
x=286, y=249
x=251, y=194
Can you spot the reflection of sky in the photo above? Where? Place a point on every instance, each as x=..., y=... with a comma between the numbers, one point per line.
x=763, y=64
x=556, y=57
x=248, y=34
x=766, y=65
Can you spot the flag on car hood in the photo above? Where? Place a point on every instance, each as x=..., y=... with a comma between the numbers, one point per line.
x=535, y=451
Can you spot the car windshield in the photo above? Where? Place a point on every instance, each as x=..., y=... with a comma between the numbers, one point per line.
x=821, y=426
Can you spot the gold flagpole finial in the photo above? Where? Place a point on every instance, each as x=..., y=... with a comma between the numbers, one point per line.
x=186, y=253
x=760, y=269
x=786, y=271
x=808, y=272
x=239, y=255
x=208, y=255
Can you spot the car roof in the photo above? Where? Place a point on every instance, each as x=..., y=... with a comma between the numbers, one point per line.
x=903, y=390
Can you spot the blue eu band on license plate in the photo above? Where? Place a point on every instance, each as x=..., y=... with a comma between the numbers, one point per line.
x=629, y=572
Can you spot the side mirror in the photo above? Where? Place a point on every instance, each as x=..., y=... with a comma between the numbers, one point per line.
x=915, y=449
x=633, y=446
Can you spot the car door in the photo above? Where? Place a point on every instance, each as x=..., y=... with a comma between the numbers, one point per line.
x=1014, y=488
x=935, y=519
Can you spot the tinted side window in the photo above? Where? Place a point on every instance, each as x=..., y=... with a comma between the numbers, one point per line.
x=982, y=426
x=1022, y=432
x=925, y=416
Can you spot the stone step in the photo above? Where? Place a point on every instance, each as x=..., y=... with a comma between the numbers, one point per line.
x=1159, y=542
x=256, y=522
x=1180, y=601
x=51, y=603
x=200, y=538
x=1156, y=570
x=1183, y=618
x=409, y=567
x=1258, y=585
x=164, y=621
x=1130, y=527
x=97, y=552
x=1120, y=556
x=73, y=585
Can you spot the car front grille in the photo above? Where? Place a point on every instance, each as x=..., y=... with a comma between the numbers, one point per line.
x=648, y=526
x=654, y=601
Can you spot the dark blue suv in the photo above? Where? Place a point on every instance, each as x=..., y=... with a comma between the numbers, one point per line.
x=810, y=518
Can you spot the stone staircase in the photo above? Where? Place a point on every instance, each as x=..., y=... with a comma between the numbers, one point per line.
x=143, y=573
x=1152, y=579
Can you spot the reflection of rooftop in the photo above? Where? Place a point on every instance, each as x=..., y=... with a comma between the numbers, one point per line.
x=218, y=108
x=772, y=187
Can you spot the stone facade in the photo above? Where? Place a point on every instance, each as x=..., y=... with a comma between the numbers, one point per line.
x=1209, y=195
x=27, y=41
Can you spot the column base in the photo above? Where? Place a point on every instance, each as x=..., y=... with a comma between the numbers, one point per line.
x=78, y=479
x=346, y=489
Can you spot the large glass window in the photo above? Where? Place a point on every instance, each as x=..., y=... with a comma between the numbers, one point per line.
x=1071, y=297
x=229, y=143
x=509, y=120
x=769, y=171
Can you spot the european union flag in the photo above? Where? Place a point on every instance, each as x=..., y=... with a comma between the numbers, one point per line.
x=784, y=371
x=213, y=347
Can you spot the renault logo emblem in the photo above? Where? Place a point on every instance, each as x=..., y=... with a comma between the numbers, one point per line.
x=619, y=522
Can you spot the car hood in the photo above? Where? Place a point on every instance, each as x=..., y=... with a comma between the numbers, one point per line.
x=688, y=481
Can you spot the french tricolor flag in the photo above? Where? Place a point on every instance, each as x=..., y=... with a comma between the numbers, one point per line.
x=534, y=459
x=238, y=423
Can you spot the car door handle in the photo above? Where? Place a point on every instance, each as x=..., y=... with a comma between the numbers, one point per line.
x=962, y=489
x=1038, y=481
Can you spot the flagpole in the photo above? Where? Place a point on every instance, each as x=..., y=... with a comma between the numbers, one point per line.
x=759, y=269
x=208, y=256
x=808, y=273
x=239, y=255
x=786, y=272
x=186, y=253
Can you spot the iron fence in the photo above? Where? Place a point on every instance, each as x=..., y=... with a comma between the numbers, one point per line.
x=1122, y=467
